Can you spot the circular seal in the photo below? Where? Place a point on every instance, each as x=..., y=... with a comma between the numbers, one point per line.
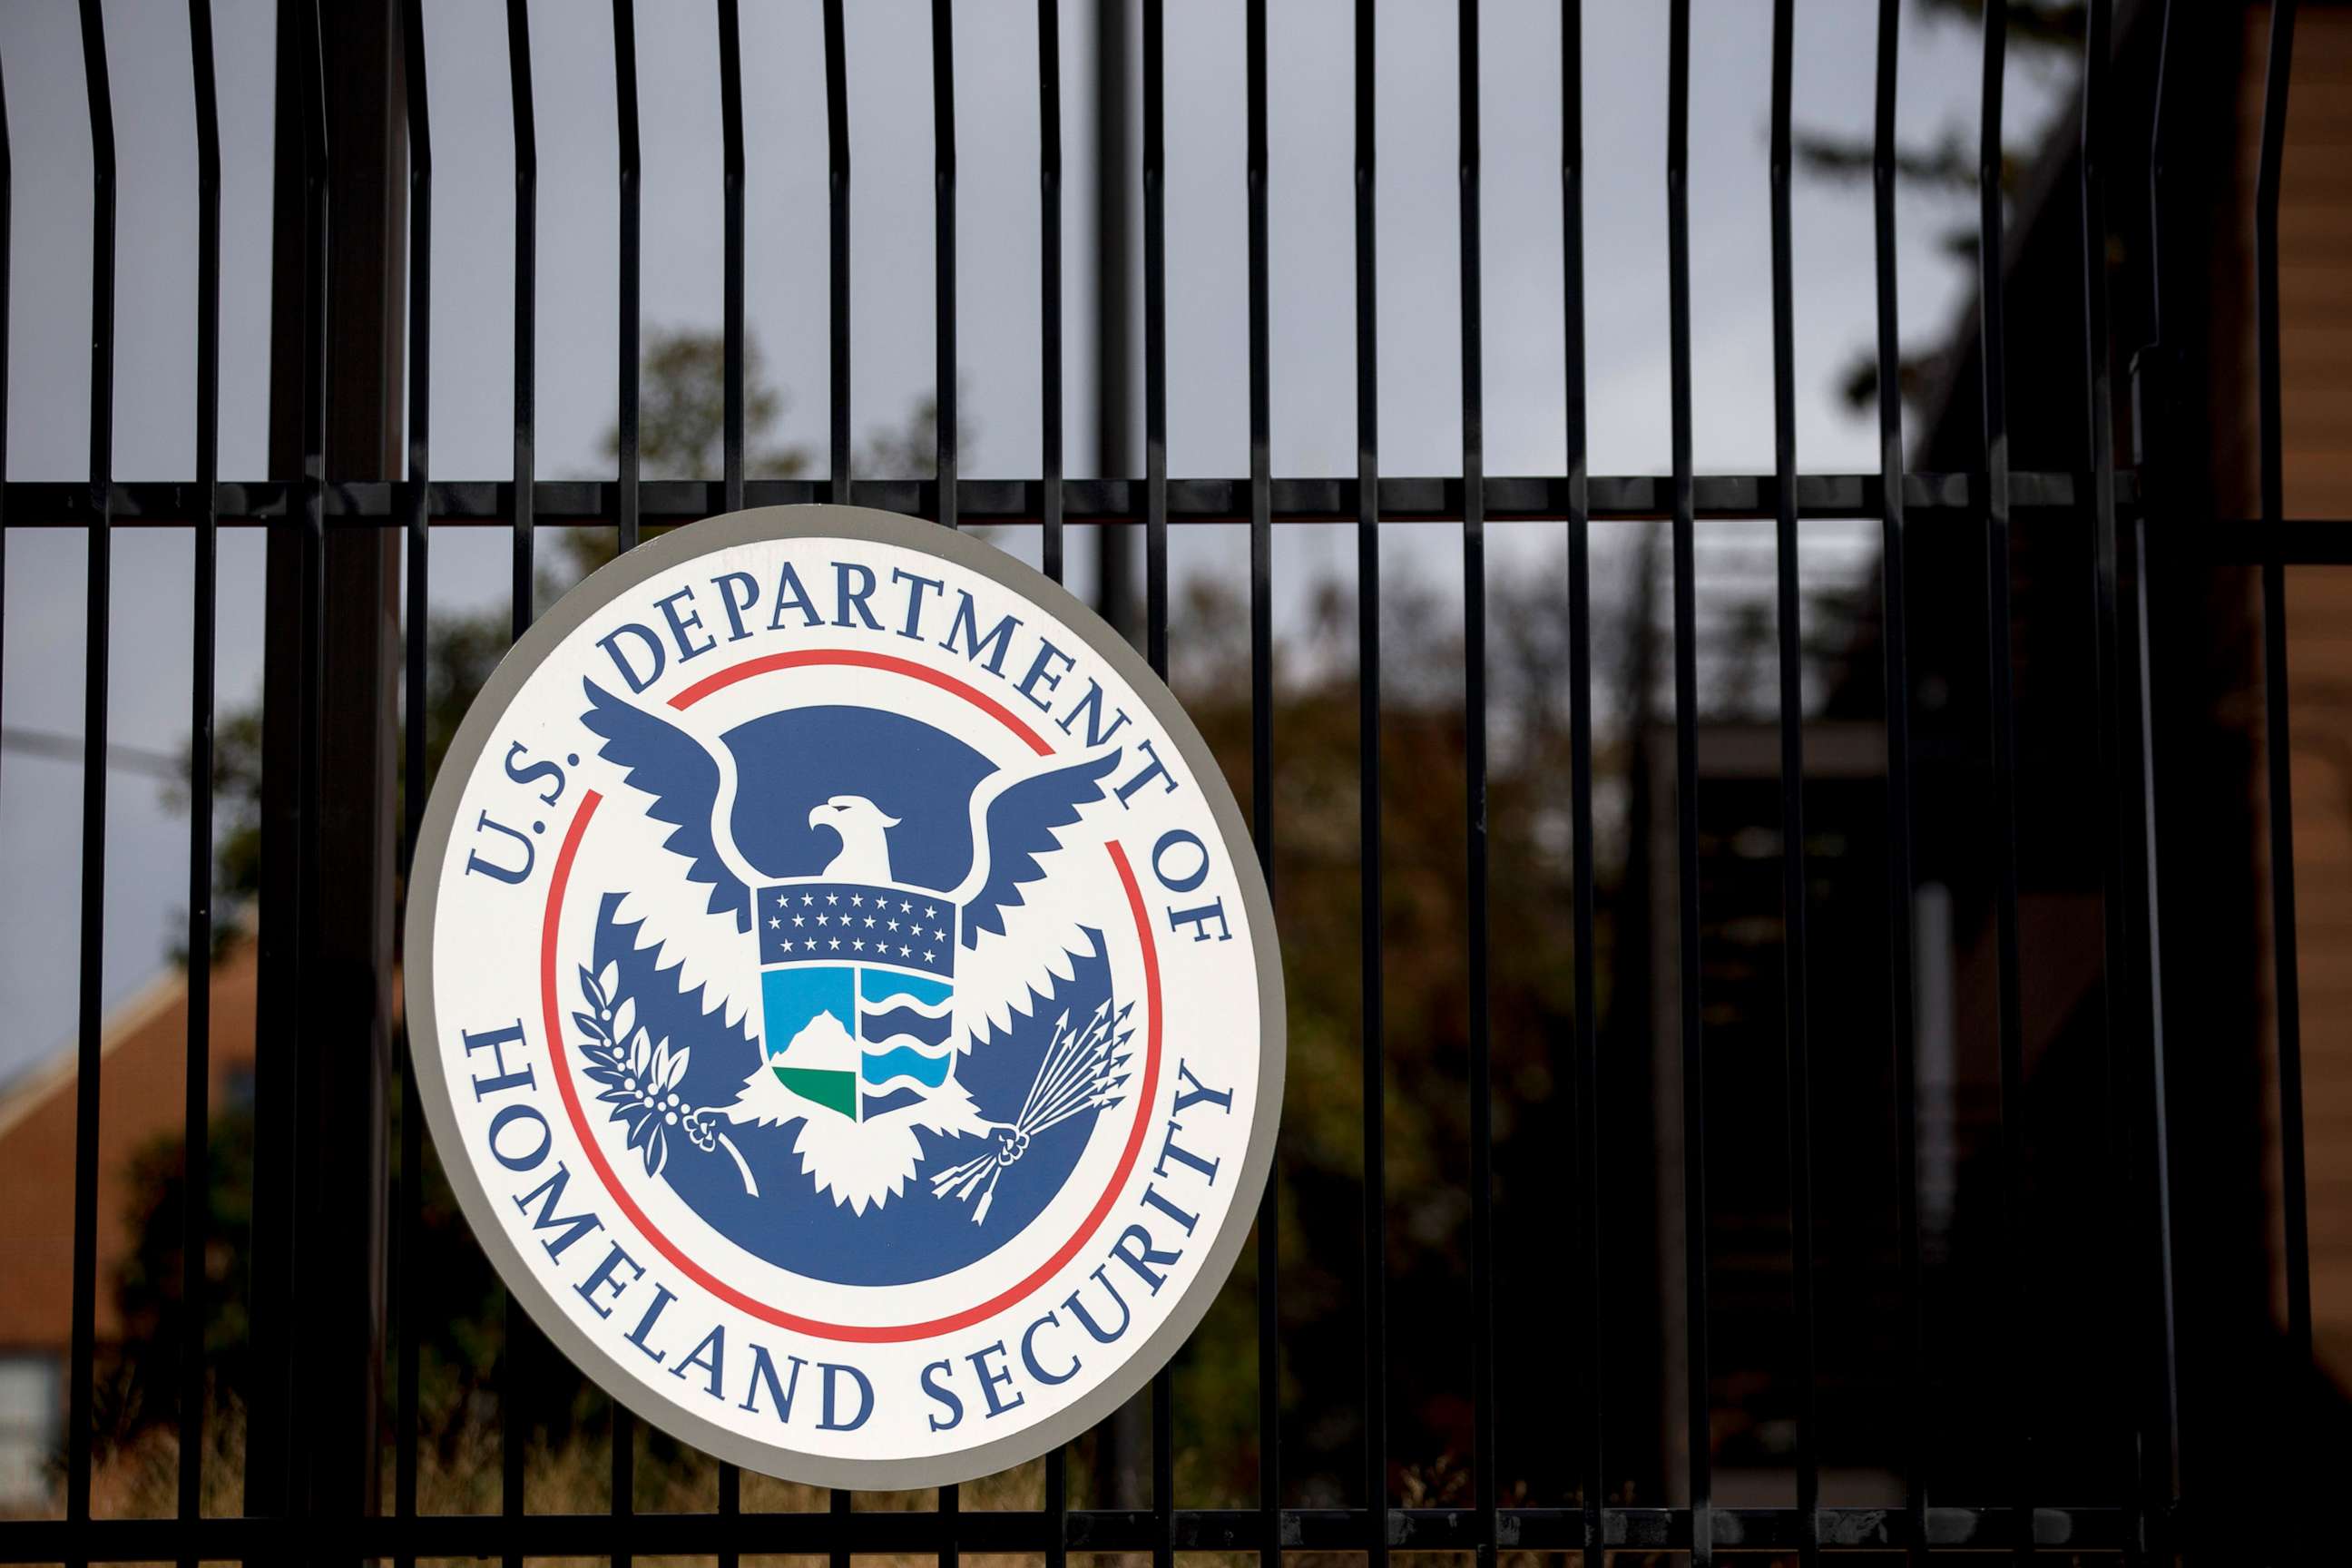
x=844, y=997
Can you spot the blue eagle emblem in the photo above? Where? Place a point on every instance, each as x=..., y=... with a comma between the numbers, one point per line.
x=858, y=989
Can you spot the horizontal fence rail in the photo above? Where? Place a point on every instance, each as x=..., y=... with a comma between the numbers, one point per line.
x=1006, y=1530
x=1440, y=497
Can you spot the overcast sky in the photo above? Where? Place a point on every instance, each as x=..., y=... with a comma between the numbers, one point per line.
x=891, y=118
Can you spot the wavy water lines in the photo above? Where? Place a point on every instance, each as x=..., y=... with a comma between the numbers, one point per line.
x=877, y=1025
x=902, y=1056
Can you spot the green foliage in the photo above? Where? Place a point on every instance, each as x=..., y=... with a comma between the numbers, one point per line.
x=236, y=821
x=681, y=418
x=1317, y=876
x=140, y=1391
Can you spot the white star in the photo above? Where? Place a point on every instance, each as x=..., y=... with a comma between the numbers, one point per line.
x=857, y=898
x=931, y=914
x=859, y=945
x=785, y=942
x=927, y=958
x=824, y=919
x=902, y=950
x=870, y=922
x=835, y=945
x=780, y=901
x=800, y=920
x=894, y=925
x=938, y=936
x=832, y=898
x=903, y=906
x=773, y=922
x=808, y=898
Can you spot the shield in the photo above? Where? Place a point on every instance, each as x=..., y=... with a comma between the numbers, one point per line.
x=857, y=993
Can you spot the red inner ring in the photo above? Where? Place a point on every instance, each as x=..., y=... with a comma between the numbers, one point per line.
x=879, y=1333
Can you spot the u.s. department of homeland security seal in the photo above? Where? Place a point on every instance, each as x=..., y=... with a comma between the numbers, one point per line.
x=844, y=997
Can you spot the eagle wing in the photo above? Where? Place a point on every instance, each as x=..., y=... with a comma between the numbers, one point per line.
x=1018, y=827
x=699, y=921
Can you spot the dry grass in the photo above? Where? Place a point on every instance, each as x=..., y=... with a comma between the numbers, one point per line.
x=459, y=1472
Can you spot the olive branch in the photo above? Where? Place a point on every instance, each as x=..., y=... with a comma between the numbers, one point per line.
x=641, y=1076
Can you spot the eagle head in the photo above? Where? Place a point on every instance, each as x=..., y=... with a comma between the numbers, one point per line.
x=843, y=812
x=862, y=829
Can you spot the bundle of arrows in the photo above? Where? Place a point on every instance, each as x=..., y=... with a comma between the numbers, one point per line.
x=1083, y=1069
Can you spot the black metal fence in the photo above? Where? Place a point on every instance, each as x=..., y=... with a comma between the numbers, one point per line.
x=320, y=1510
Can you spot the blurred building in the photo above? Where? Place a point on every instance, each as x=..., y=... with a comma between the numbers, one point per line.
x=2027, y=1332
x=142, y=1083
x=2315, y=375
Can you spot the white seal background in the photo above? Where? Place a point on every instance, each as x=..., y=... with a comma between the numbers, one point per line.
x=472, y=962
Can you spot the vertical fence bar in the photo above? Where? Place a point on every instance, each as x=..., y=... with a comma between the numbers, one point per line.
x=513, y=1433
x=943, y=257
x=305, y=828
x=2166, y=1504
x=629, y=429
x=836, y=141
x=1155, y=613
x=526, y=304
x=1261, y=537
x=2098, y=442
x=731, y=120
x=1368, y=723
x=951, y=1509
x=98, y=642
x=416, y=501
x=416, y=518
x=1113, y=339
x=1483, y=1458
x=1164, y=1470
x=1155, y=338
x=735, y=353
x=1049, y=376
x=7, y=225
x=195, y=1124
x=1685, y=614
x=1590, y=1361
x=944, y=280
x=1790, y=609
x=629, y=370
x=2136, y=863
x=836, y=130
x=2154, y=1446
x=1910, y=1423
x=2277, y=740
x=1049, y=181
x=1058, y=1505
x=1992, y=360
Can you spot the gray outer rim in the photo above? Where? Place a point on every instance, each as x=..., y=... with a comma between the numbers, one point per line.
x=862, y=523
